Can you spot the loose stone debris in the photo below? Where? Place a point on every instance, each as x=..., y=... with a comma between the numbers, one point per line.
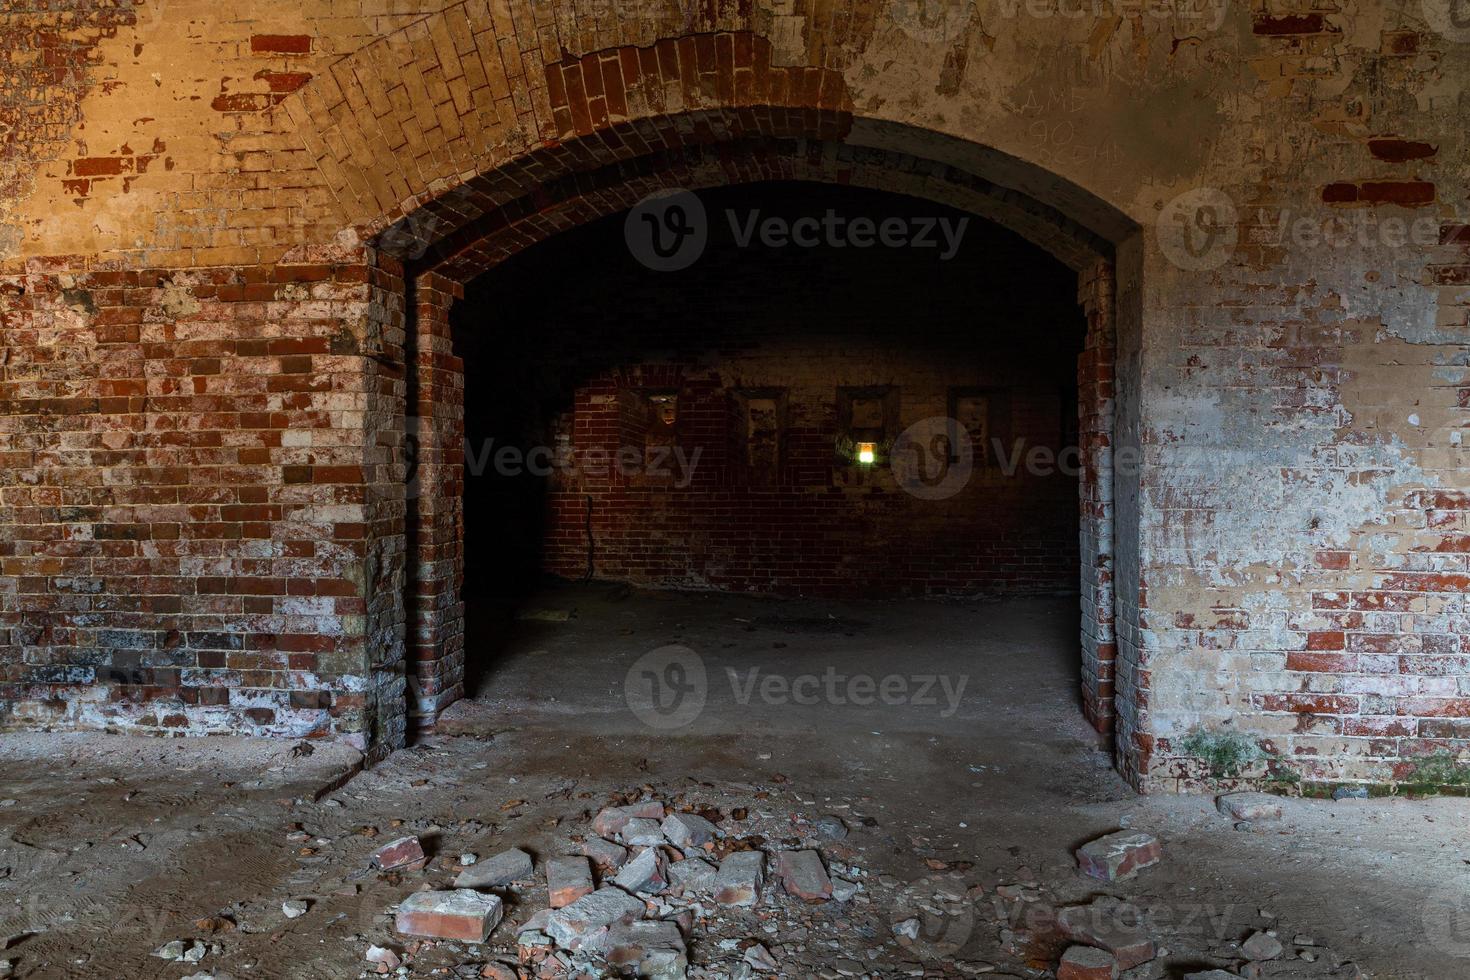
x=461, y=913
x=502, y=869
x=686, y=895
x=755, y=887
x=1118, y=856
x=1250, y=806
x=403, y=854
x=1087, y=963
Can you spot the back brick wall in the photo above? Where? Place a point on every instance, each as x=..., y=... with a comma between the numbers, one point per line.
x=798, y=324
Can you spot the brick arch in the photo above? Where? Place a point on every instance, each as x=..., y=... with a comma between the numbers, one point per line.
x=443, y=183
x=468, y=113
x=438, y=265
x=442, y=237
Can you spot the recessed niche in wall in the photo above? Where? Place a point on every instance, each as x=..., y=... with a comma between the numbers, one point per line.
x=759, y=426
x=649, y=418
x=663, y=409
x=983, y=413
x=867, y=424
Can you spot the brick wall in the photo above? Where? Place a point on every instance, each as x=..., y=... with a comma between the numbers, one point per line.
x=188, y=518
x=1295, y=407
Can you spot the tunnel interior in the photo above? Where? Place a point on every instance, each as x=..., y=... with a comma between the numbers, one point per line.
x=845, y=393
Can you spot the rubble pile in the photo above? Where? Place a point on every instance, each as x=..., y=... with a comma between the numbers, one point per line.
x=644, y=889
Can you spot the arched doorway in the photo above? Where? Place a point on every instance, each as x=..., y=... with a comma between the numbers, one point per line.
x=436, y=519
x=445, y=197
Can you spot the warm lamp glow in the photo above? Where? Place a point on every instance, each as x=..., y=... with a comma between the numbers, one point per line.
x=866, y=452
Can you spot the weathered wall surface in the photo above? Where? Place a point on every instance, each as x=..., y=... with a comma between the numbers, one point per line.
x=1300, y=571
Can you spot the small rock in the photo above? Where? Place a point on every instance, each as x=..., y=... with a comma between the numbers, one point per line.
x=830, y=827
x=1261, y=946
x=664, y=964
x=739, y=880
x=803, y=876
x=463, y=914
x=567, y=879
x=907, y=929
x=611, y=821
x=403, y=854
x=760, y=958
x=294, y=908
x=1087, y=963
x=536, y=922
x=1211, y=975
x=605, y=854
x=386, y=959
x=465, y=860
x=647, y=872
x=1249, y=806
x=686, y=830
x=570, y=925
x=642, y=833
x=632, y=943
x=1120, y=855
x=692, y=876
x=505, y=867
x=171, y=950
x=498, y=971
x=843, y=890
x=1111, y=925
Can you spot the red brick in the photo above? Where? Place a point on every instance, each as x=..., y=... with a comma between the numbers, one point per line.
x=287, y=44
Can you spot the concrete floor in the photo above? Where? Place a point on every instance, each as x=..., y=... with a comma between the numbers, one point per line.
x=116, y=846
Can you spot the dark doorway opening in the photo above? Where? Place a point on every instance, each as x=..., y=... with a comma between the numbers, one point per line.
x=747, y=423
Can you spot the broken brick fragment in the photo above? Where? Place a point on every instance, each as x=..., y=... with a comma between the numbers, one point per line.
x=740, y=877
x=462, y=914
x=1087, y=963
x=403, y=854
x=567, y=879
x=1118, y=856
x=803, y=876
x=502, y=869
x=611, y=820
x=1111, y=925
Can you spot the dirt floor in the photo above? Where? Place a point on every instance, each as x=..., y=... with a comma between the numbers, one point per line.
x=961, y=794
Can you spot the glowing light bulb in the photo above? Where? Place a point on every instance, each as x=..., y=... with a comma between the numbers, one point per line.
x=867, y=451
